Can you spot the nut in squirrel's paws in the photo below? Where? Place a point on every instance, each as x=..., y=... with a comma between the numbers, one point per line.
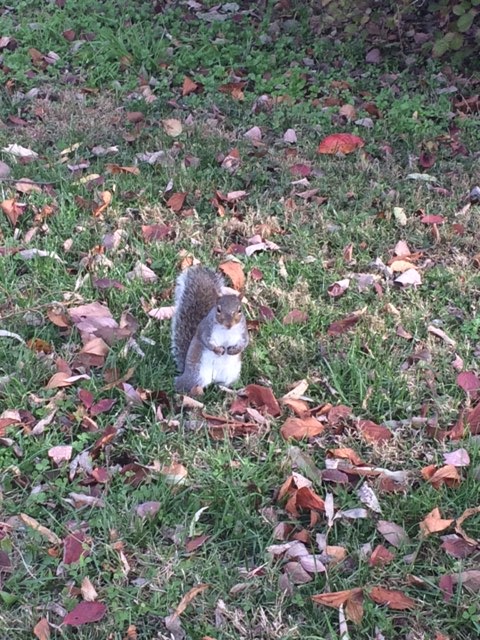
x=234, y=350
x=219, y=351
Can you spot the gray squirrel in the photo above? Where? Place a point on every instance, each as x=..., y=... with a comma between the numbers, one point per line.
x=209, y=331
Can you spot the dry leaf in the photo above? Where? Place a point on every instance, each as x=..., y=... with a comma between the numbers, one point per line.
x=234, y=270
x=60, y=453
x=392, y=532
x=43, y=531
x=88, y=590
x=473, y=511
x=340, y=143
x=188, y=86
x=172, y=127
x=411, y=277
x=42, y=629
x=434, y=523
x=298, y=428
x=176, y=201
x=352, y=599
x=441, y=334
x=380, y=557
x=392, y=598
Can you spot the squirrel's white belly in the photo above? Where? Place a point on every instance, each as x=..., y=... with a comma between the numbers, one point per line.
x=224, y=369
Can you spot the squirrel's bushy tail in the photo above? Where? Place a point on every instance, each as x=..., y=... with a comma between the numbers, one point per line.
x=196, y=292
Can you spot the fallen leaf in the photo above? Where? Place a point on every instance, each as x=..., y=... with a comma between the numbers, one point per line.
x=42, y=629
x=234, y=270
x=299, y=428
x=432, y=219
x=340, y=143
x=295, y=316
x=338, y=288
x=156, y=232
x=441, y=334
x=19, y=151
x=373, y=432
x=338, y=327
x=296, y=573
x=255, y=134
x=411, y=277
x=346, y=453
x=172, y=127
x=400, y=216
x=472, y=511
x=368, y=497
x=13, y=210
x=84, y=613
x=469, y=382
x=469, y=579
x=392, y=598
x=188, y=86
x=176, y=201
x=175, y=474
x=302, y=170
x=380, y=557
x=352, y=599
x=162, y=313
x=447, y=474
x=263, y=399
x=457, y=547
x=89, y=593
x=75, y=547
x=188, y=597
x=290, y=136
x=434, y=523
x=373, y=56
x=142, y=272
x=458, y=458
x=61, y=453
x=43, y=531
x=393, y=533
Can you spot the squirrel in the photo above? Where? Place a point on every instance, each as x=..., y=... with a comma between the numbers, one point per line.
x=209, y=331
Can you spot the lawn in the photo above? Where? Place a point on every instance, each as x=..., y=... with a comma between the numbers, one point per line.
x=148, y=137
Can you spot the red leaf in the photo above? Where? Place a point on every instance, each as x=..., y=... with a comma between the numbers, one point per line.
x=469, y=382
x=302, y=170
x=86, y=398
x=265, y=313
x=73, y=548
x=102, y=406
x=340, y=143
x=195, y=543
x=84, y=613
x=263, y=399
x=432, y=219
x=380, y=556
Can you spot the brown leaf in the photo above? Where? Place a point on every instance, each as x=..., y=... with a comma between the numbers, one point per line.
x=188, y=86
x=176, y=201
x=13, y=210
x=392, y=532
x=340, y=143
x=42, y=629
x=156, y=232
x=263, y=399
x=392, y=598
x=457, y=547
x=188, y=597
x=447, y=474
x=374, y=432
x=306, y=498
x=347, y=323
x=458, y=525
x=234, y=270
x=299, y=428
x=43, y=531
x=469, y=579
x=434, y=523
x=348, y=454
x=469, y=382
x=295, y=317
x=380, y=556
x=116, y=169
x=172, y=127
x=352, y=599
x=195, y=543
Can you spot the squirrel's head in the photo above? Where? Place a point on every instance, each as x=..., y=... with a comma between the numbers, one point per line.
x=229, y=310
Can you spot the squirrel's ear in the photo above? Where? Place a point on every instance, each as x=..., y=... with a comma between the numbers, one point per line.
x=228, y=291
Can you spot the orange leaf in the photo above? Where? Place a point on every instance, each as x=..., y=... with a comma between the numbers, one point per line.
x=42, y=629
x=374, y=432
x=348, y=454
x=298, y=428
x=176, y=201
x=263, y=399
x=447, y=474
x=306, y=498
x=340, y=143
x=188, y=597
x=234, y=270
x=392, y=598
x=352, y=598
x=13, y=210
x=189, y=86
x=380, y=556
x=433, y=523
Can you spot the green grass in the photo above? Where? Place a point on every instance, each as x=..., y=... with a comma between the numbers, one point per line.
x=230, y=491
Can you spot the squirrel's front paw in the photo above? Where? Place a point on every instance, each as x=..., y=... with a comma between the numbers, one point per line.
x=234, y=350
x=219, y=351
